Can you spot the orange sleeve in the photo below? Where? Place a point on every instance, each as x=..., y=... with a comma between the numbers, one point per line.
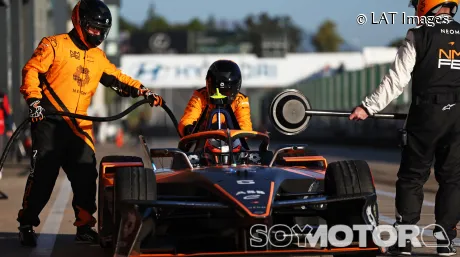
x=243, y=114
x=192, y=111
x=39, y=63
x=122, y=83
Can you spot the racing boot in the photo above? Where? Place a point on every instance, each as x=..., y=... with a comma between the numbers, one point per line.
x=86, y=235
x=27, y=236
x=395, y=249
x=447, y=250
x=445, y=243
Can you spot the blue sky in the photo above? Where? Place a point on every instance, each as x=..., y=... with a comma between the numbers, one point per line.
x=308, y=14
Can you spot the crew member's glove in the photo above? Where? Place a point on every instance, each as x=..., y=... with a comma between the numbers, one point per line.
x=157, y=100
x=188, y=130
x=36, y=111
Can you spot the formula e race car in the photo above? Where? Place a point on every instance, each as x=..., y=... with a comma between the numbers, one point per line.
x=220, y=195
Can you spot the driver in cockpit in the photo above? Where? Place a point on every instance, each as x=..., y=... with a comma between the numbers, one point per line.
x=224, y=77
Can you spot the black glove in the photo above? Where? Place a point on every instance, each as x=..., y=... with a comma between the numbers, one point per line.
x=188, y=130
x=36, y=111
x=157, y=100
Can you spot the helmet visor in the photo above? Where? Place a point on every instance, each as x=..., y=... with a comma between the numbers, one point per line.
x=95, y=29
x=226, y=88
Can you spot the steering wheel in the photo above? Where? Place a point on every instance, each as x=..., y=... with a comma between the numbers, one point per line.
x=220, y=146
x=217, y=152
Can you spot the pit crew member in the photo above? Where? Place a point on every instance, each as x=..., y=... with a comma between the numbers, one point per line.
x=62, y=75
x=428, y=56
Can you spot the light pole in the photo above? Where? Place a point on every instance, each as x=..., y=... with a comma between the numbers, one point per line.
x=5, y=46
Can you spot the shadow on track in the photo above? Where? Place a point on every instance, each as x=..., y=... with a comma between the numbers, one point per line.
x=63, y=246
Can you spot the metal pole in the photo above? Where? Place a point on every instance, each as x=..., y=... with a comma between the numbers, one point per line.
x=5, y=50
x=29, y=28
x=111, y=46
x=17, y=47
x=61, y=16
x=396, y=116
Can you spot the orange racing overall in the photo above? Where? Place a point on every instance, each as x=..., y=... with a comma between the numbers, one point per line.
x=64, y=75
x=198, y=102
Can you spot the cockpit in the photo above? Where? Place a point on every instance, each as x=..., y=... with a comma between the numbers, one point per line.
x=223, y=143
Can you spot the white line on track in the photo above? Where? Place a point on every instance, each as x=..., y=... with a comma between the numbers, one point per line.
x=50, y=230
x=386, y=219
x=393, y=195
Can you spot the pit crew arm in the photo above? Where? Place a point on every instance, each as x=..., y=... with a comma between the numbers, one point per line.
x=394, y=82
x=243, y=114
x=39, y=63
x=123, y=84
x=192, y=111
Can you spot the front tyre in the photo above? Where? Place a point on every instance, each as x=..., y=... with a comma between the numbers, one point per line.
x=346, y=179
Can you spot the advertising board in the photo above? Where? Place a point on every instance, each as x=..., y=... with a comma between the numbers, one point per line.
x=188, y=71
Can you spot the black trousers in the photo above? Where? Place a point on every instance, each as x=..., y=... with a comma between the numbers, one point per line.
x=56, y=145
x=433, y=132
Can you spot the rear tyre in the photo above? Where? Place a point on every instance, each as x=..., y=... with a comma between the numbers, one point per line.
x=347, y=178
x=132, y=183
x=105, y=200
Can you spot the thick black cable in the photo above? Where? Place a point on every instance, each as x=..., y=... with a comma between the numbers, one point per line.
x=22, y=126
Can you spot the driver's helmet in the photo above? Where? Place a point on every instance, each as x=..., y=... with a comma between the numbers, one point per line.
x=431, y=7
x=92, y=20
x=219, y=150
x=223, y=79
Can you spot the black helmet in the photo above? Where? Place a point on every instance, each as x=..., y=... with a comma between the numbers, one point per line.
x=92, y=20
x=224, y=76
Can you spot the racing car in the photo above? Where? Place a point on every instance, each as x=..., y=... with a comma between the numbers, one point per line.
x=225, y=192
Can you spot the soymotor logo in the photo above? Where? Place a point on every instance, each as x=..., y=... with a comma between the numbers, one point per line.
x=282, y=235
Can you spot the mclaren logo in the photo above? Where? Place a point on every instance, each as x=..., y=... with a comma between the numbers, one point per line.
x=449, y=57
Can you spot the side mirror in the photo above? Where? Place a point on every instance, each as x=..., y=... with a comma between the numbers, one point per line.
x=287, y=112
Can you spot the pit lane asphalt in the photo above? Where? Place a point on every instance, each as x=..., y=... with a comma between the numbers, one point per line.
x=56, y=232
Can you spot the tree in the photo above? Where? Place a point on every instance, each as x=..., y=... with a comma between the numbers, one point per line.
x=154, y=22
x=327, y=38
x=211, y=23
x=151, y=11
x=127, y=26
x=196, y=25
x=266, y=25
x=252, y=28
x=397, y=42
